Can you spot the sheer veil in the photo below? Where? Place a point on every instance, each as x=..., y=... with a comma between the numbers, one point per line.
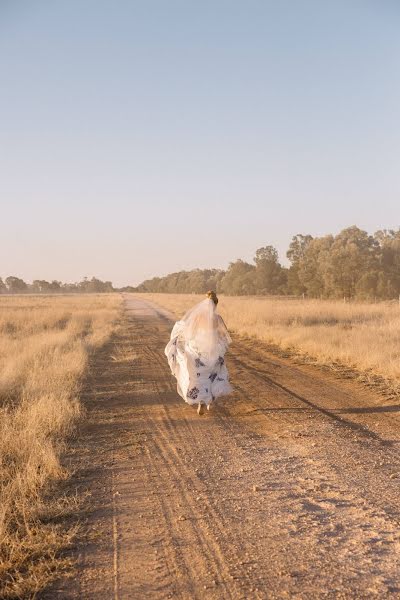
x=205, y=331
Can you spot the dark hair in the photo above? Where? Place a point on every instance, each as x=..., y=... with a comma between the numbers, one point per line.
x=213, y=296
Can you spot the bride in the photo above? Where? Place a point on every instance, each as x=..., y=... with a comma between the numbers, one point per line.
x=196, y=352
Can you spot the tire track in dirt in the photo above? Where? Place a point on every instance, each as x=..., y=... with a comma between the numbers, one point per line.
x=208, y=557
x=288, y=488
x=353, y=447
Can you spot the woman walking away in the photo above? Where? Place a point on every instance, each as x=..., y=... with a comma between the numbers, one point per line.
x=196, y=352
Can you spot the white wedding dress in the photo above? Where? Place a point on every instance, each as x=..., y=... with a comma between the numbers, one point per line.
x=196, y=353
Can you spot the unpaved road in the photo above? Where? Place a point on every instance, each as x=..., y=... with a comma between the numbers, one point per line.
x=289, y=488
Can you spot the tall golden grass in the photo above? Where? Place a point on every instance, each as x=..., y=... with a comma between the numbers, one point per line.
x=45, y=343
x=362, y=336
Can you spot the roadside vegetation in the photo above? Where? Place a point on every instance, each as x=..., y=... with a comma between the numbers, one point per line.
x=352, y=265
x=16, y=285
x=45, y=344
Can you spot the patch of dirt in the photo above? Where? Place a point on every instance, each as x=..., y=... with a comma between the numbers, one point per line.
x=288, y=488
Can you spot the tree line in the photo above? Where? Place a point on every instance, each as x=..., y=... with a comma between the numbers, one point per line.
x=16, y=285
x=352, y=264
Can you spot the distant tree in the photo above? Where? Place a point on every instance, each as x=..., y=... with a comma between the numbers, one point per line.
x=312, y=266
x=269, y=276
x=214, y=279
x=96, y=286
x=83, y=285
x=16, y=285
x=374, y=284
x=266, y=254
x=40, y=286
x=69, y=288
x=352, y=254
x=150, y=285
x=296, y=252
x=389, y=261
x=239, y=279
x=196, y=281
x=93, y=286
x=55, y=286
x=298, y=247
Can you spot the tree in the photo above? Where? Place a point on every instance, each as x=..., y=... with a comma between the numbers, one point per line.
x=55, y=286
x=239, y=279
x=389, y=261
x=312, y=266
x=16, y=285
x=95, y=286
x=353, y=253
x=3, y=287
x=298, y=247
x=296, y=252
x=196, y=281
x=40, y=286
x=269, y=275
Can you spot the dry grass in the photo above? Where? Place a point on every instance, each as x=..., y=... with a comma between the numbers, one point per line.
x=360, y=336
x=45, y=343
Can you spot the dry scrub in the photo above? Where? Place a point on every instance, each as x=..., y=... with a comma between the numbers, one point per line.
x=360, y=336
x=45, y=343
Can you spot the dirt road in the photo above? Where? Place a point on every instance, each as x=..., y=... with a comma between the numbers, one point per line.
x=287, y=489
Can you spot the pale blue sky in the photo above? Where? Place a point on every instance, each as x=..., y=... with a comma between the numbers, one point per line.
x=144, y=137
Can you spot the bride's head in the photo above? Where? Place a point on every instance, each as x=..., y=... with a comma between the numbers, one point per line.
x=204, y=330
x=213, y=296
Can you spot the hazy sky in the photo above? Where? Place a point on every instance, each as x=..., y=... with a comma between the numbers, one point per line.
x=144, y=137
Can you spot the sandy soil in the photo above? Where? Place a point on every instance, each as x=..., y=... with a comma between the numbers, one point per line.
x=289, y=488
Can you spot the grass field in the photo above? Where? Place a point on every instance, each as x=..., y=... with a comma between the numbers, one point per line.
x=45, y=343
x=360, y=336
